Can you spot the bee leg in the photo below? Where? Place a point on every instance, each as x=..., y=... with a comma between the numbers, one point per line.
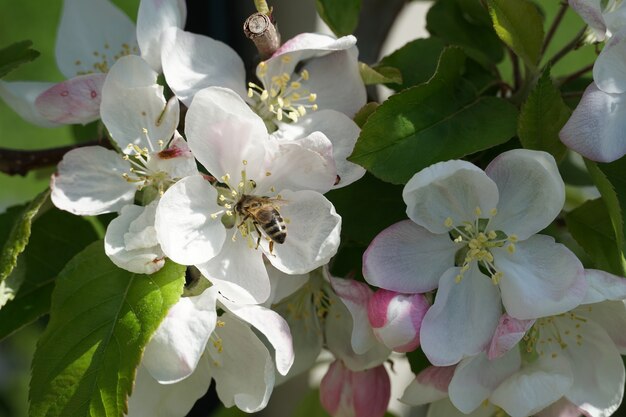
x=243, y=221
x=258, y=232
x=271, y=246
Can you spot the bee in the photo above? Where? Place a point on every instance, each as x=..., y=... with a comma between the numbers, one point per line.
x=264, y=214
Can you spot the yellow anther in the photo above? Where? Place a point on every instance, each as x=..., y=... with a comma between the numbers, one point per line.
x=458, y=239
x=305, y=75
x=295, y=85
x=492, y=235
x=144, y=130
x=226, y=178
x=264, y=95
x=273, y=93
x=221, y=198
x=281, y=102
x=220, y=323
x=245, y=162
x=482, y=238
x=495, y=278
x=511, y=249
x=301, y=110
x=312, y=97
x=267, y=173
x=493, y=211
x=286, y=59
x=448, y=222
x=512, y=238
x=250, y=93
x=229, y=213
x=458, y=278
x=214, y=216
x=279, y=114
x=478, y=211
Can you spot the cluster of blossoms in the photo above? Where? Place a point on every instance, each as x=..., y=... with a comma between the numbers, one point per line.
x=510, y=319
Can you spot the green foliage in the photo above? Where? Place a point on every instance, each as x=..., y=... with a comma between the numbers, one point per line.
x=459, y=23
x=417, y=61
x=418, y=361
x=590, y=224
x=101, y=319
x=15, y=55
x=440, y=120
x=520, y=26
x=543, y=115
x=17, y=239
x=341, y=16
x=615, y=174
x=56, y=237
x=364, y=113
x=380, y=74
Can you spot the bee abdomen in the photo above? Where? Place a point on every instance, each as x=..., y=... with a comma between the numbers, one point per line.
x=276, y=229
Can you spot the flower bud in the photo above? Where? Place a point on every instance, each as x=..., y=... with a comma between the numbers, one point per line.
x=344, y=393
x=396, y=318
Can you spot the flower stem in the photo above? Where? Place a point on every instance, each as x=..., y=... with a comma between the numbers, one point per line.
x=573, y=44
x=577, y=74
x=555, y=25
x=260, y=29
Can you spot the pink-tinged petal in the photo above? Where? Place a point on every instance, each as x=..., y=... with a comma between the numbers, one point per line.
x=344, y=393
x=397, y=318
x=562, y=408
x=21, y=96
x=355, y=296
x=603, y=286
x=89, y=182
x=611, y=315
x=446, y=335
x=238, y=271
x=429, y=385
x=241, y=366
x=407, y=258
x=541, y=278
x=272, y=326
x=451, y=189
x=595, y=129
x=192, y=62
x=130, y=240
x=187, y=232
x=609, y=70
x=591, y=12
x=152, y=399
x=73, y=101
x=180, y=340
x=534, y=387
x=476, y=378
x=306, y=164
x=92, y=35
x=313, y=229
x=153, y=17
x=339, y=129
x=222, y=132
x=507, y=335
x=531, y=190
x=177, y=159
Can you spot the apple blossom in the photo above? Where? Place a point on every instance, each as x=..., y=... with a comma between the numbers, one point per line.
x=604, y=18
x=472, y=235
x=92, y=35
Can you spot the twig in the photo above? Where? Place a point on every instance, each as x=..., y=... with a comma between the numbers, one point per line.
x=20, y=162
x=576, y=74
x=261, y=6
x=517, y=75
x=554, y=27
x=573, y=44
x=260, y=29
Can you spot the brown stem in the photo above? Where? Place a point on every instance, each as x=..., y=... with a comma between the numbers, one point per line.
x=260, y=29
x=573, y=44
x=517, y=75
x=20, y=162
x=554, y=27
x=576, y=74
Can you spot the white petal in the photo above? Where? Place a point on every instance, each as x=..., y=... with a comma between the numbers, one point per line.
x=313, y=229
x=534, y=387
x=242, y=368
x=541, y=278
x=339, y=129
x=447, y=335
x=187, y=232
x=177, y=159
x=603, y=286
x=508, y=334
x=91, y=34
x=89, y=181
x=306, y=164
x=283, y=285
x=561, y=408
x=180, y=340
x=591, y=12
x=452, y=189
x=611, y=315
x=192, y=62
x=153, y=17
x=272, y=326
x=21, y=96
x=151, y=399
x=476, y=378
x=73, y=101
x=531, y=190
x=130, y=240
x=609, y=70
x=407, y=258
x=429, y=385
x=223, y=132
x=131, y=72
x=238, y=271
x=355, y=296
x=595, y=128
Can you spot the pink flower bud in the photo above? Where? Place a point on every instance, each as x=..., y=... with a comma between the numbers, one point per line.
x=396, y=318
x=344, y=393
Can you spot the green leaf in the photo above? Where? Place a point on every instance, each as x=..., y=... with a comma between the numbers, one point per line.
x=610, y=197
x=49, y=249
x=520, y=26
x=19, y=235
x=379, y=74
x=542, y=116
x=364, y=113
x=418, y=361
x=449, y=20
x=229, y=412
x=100, y=321
x=15, y=55
x=417, y=61
x=440, y=120
x=341, y=16
x=615, y=173
x=591, y=226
